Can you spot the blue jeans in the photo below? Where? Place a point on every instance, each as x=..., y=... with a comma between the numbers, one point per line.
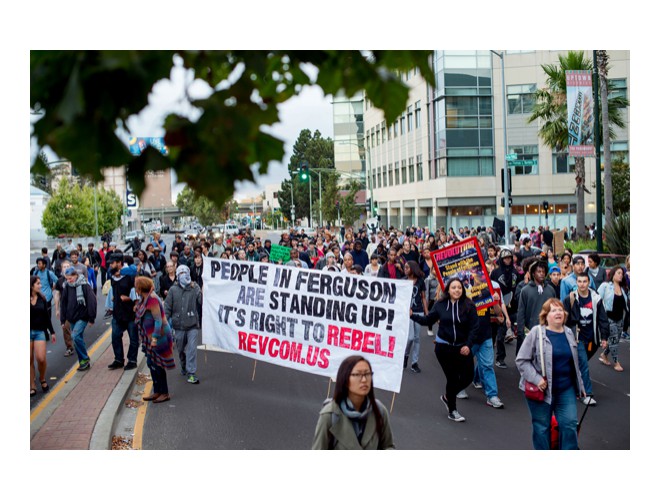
x=483, y=370
x=583, y=362
x=186, y=344
x=118, y=328
x=564, y=406
x=413, y=341
x=77, y=330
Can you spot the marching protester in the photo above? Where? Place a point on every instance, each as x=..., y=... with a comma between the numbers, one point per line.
x=182, y=310
x=392, y=268
x=41, y=329
x=156, y=336
x=457, y=332
x=418, y=304
x=597, y=273
x=123, y=314
x=47, y=279
x=569, y=283
x=615, y=302
x=78, y=307
x=532, y=297
x=588, y=320
x=548, y=358
x=57, y=294
x=167, y=279
x=354, y=419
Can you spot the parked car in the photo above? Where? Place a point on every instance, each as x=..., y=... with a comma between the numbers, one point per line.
x=536, y=250
x=607, y=260
x=230, y=229
x=130, y=236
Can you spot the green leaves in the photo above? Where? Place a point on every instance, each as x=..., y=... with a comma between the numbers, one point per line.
x=88, y=95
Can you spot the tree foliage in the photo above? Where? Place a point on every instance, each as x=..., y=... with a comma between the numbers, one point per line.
x=70, y=211
x=203, y=209
x=86, y=96
x=349, y=211
x=620, y=185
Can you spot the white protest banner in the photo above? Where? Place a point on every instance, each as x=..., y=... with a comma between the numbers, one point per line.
x=306, y=319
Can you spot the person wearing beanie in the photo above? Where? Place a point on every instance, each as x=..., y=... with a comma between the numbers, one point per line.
x=182, y=306
x=78, y=307
x=532, y=298
x=554, y=278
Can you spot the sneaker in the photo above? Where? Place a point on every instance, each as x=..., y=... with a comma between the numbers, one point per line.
x=115, y=364
x=84, y=365
x=462, y=395
x=494, y=402
x=431, y=334
x=192, y=379
x=415, y=368
x=509, y=338
x=130, y=366
x=501, y=364
x=589, y=401
x=477, y=385
x=443, y=398
x=455, y=416
x=625, y=337
x=68, y=352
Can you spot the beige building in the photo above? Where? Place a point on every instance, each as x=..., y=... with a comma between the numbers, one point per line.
x=440, y=162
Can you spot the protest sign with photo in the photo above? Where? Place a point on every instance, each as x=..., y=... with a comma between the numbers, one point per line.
x=306, y=319
x=464, y=260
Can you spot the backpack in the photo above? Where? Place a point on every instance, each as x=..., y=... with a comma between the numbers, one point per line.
x=34, y=270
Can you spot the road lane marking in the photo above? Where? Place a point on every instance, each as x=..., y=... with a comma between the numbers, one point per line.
x=72, y=371
x=140, y=418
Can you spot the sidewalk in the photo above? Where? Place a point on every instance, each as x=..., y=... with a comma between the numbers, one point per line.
x=80, y=412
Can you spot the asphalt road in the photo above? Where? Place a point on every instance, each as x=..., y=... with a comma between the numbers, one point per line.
x=278, y=410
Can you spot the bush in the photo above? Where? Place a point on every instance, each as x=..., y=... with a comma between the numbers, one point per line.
x=617, y=234
x=580, y=245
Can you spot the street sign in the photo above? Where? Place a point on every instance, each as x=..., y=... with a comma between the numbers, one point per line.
x=512, y=156
x=523, y=163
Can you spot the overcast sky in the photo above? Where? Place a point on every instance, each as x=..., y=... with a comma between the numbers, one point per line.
x=308, y=110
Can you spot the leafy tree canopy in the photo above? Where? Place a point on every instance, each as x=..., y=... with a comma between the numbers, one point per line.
x=87, y=96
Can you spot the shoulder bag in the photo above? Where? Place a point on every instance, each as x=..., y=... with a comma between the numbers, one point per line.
x=532, y=390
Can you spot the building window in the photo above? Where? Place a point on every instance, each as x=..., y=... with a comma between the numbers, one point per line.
x=396, y=173
x=373, y=180
x=469, y=167
x=403, y=124
x=380, y=178
x=528, y=154
x=396, y=128
x=419, y=168
x=404, y=178
x=389, y=133
x=377, y=137
x=418, y=114
x=390, y=174
x=382, y=131
x=410, y=119
x=617, y=87
x=520, y=98
x=411, y=170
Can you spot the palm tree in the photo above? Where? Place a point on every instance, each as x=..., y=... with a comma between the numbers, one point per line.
x=551, y=109
x=602, y=59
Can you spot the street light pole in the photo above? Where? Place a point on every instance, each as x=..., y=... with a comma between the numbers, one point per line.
x=505, y=170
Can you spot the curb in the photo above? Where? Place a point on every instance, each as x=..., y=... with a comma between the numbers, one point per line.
x=105, y=424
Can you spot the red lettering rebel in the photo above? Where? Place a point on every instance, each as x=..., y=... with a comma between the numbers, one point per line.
x=333, y=335
x=377, y=349
x=242, y=336
x=392, y=344
x=344, y=337
x=356, y=341
x=368, y=344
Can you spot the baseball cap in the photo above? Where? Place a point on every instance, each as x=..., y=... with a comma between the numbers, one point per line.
x=505, y=252
x=554, y=268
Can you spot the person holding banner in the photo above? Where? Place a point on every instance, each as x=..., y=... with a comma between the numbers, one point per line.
x=353, y=419
x=418, y=304
x=457, y=332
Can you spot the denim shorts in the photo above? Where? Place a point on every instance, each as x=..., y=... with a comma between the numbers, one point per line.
x=37, y=335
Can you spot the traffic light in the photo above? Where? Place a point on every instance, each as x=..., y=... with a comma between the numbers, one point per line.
x=546, y=206
x=502, y=202
x=303, y=173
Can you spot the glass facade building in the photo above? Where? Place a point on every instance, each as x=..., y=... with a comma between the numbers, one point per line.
x=348, y=120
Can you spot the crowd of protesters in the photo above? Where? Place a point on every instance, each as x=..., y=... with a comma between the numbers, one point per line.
x=525, y=274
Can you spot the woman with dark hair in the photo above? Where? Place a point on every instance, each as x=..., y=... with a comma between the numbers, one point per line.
x=156, y=336
x=418, y=304
x=431, y=242
x=615, y=300
x=554, y=369
x=146, y=268
x=353, y=419
x=103, y=252
x=41, y=328
x=457, y=332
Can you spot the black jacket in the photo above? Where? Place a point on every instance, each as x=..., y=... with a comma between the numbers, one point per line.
x=122, y=310
x=71, y=311
x=601, y=324
x=458, y=322
x=530, y=304
x=40, y=317
x=384, y=273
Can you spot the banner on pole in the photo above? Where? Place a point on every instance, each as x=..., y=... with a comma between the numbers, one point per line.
x=463, y=260
x=579, y=99
x=306, y=319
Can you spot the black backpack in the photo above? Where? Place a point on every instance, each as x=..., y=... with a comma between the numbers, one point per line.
x=33, y=272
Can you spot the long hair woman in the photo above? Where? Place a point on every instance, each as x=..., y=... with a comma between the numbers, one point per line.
x=457, y=332
x=562, y=381
x=615, y=300
x=354, y=419
x=41, y=328
x=419, y=305
x=156, y=337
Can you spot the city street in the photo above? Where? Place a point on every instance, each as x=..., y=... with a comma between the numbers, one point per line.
x=278, y=410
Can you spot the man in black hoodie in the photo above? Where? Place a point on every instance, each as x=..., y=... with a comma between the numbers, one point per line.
x=123, y=315
x=532, y=298
x=78, y=307
x=507, y=277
